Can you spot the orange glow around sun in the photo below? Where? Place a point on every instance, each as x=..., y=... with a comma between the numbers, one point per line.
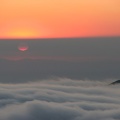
x=21, y=33
x=59, y=18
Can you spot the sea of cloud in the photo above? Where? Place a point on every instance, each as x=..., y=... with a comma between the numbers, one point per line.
x=60, y=99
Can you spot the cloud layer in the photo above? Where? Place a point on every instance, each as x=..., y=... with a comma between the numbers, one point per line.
x=60, y=99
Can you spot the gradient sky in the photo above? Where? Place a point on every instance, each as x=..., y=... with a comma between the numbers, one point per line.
x=59, y=18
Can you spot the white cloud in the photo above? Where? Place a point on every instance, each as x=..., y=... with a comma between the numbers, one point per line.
x=60, y=99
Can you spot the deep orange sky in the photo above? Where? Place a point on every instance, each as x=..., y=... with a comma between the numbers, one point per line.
x=59, y=18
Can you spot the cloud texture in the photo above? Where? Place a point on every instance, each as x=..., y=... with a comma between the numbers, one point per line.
x=60, y=99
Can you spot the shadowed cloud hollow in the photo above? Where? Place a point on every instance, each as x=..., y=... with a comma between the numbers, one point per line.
x=60, y=99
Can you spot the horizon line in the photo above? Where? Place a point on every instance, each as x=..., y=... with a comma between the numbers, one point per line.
x=59, y=38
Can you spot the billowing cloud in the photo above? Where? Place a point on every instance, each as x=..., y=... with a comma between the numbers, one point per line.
x=60, y=99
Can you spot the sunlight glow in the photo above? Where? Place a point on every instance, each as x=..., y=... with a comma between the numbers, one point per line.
x=22, y=33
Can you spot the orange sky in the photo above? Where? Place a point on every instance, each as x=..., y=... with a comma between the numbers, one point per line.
x=59, y=18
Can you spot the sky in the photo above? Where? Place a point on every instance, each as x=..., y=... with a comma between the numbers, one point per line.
x=75, y=39
x=59, y=18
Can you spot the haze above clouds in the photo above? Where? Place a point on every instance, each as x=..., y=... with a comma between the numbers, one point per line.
x=75, y=58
